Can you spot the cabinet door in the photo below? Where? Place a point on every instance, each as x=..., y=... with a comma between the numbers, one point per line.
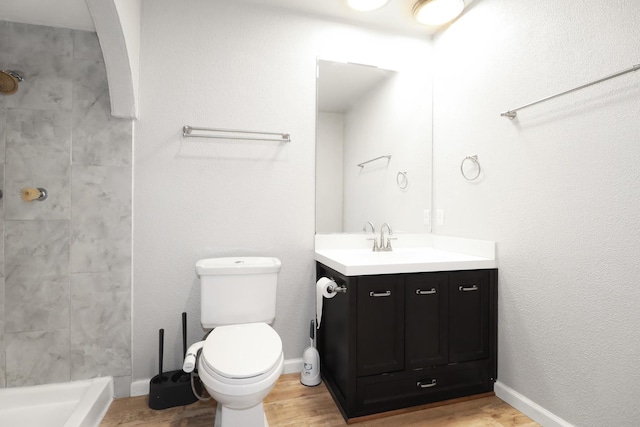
x=426, y=311
x=380, y=324
x=468, y=315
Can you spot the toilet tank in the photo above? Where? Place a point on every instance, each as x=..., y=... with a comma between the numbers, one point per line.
x=237, y=290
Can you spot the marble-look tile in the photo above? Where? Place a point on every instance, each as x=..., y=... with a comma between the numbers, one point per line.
x=5, y=41
x=38, y=135
x=2, y=187
x=86, y=45
x=101, y=211
x=2, y=333
x=37, y=278
x=63, y=67
x=3, y=126
x=98, y=138
x=44, y=55
x=39, y=41
x=38, y=145
x=3, y=99
x=101, y=324
x=34, y=358
x=91, y=74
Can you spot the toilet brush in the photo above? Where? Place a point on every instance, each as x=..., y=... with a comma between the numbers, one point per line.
x=310, y=375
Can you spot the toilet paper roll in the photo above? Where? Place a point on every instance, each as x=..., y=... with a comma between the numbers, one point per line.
x=322, y=291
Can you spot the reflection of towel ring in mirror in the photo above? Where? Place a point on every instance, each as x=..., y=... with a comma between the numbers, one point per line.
x=473, y=159
x=402, y=180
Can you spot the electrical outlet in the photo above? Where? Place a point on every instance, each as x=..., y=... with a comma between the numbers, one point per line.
x=427, y=217
x=440, y=217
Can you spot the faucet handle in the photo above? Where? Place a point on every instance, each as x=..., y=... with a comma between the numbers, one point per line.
x=375, y=248
x=388, y=246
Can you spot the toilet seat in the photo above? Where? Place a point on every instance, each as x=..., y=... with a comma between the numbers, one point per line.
x=241, y=354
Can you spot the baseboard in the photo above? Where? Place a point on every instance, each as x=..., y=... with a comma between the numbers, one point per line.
x=528, y=407
x=141, y=387
x=291, y=366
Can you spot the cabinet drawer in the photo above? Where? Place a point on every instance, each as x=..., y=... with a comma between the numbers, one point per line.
x=421, y=386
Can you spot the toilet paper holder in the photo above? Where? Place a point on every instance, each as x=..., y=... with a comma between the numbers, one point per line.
x=334, y=288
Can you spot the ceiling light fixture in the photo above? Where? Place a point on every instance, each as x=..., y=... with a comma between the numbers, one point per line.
x=437, y=12
x=366, y=5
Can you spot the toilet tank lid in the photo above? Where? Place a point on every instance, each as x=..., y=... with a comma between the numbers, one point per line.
x=237, y=265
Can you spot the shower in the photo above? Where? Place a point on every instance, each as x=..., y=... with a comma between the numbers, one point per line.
x=9, y=80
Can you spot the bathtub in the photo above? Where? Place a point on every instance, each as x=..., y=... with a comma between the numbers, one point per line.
x=73, y=404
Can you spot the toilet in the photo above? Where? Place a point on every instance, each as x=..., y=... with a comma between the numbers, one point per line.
x=241, y=358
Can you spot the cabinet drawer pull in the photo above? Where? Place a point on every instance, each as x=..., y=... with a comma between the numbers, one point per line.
x=427, y=385
x=380, y=294
x=468, y=289
x=429, y=292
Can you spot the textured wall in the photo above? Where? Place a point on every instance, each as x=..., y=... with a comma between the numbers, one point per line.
x=223, y=64
x=67, y=260
x=560, y=192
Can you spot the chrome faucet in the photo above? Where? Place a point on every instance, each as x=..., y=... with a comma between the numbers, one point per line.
x=385, y=247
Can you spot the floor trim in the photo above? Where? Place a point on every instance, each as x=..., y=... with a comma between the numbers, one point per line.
x=141, y=387
x=528, y=407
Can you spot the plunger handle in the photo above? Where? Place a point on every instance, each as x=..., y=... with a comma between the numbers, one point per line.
x=161, y=351
x=184, y=334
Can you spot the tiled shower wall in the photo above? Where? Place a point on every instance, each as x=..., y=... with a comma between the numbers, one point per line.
x=65, y=300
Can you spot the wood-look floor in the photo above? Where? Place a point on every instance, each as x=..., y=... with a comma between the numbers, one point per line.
x=292, y=404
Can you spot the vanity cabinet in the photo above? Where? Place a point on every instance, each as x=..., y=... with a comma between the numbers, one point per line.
x=400, y=340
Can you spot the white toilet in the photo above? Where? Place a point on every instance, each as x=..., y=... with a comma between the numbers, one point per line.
x=242, y=358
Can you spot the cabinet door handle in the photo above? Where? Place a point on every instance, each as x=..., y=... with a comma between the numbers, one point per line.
x=429, y=292
x=427, y=385
x=468, y=289
x=380, y=294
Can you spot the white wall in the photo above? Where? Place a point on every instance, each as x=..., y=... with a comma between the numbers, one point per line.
x=221, y=64
x=560, y=192
x=329, y=163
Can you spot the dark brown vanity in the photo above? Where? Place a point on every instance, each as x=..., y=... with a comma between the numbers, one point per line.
x=393, y=341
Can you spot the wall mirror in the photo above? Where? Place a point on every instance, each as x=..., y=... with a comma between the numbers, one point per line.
x=373, y=147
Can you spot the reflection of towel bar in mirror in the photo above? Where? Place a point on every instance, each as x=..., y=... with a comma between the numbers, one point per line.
x=388, y=156
x=221, y=134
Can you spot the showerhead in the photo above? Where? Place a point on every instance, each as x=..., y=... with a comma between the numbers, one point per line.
x=9, y=80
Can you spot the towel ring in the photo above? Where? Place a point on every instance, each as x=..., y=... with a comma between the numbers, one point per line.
x=403, y=182
x=473, y=159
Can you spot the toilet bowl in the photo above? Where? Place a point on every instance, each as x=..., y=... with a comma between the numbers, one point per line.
x=239, y=366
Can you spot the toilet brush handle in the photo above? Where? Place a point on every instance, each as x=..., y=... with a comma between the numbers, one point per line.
x=184, y=334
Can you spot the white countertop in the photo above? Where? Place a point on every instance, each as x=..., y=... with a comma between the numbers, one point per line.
x=351, y=254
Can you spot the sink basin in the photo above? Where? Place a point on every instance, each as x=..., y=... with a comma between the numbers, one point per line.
x=358, y=262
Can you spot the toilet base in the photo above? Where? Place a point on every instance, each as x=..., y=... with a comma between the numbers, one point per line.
x=249, y=417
